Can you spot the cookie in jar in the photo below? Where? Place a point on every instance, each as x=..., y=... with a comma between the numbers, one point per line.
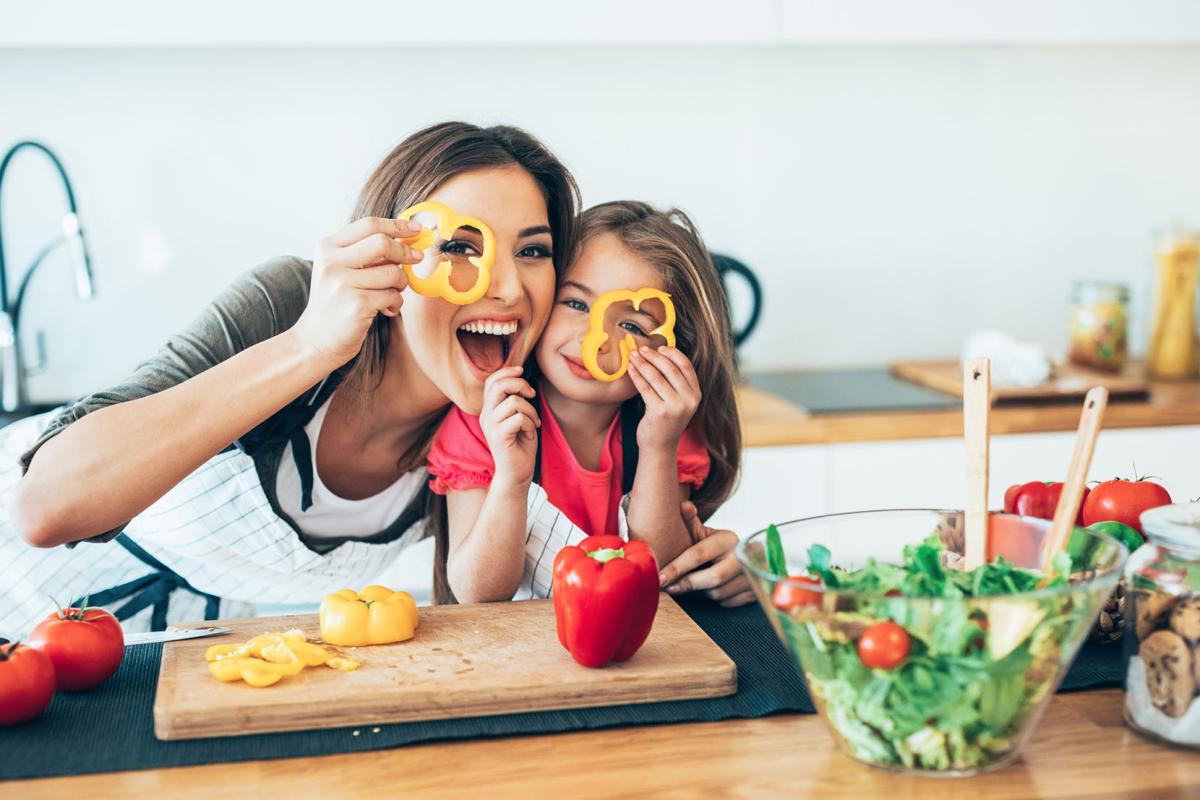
x=1162, y=682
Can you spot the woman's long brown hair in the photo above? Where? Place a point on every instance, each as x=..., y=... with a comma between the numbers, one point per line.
x=671, y=244
x=409, y=174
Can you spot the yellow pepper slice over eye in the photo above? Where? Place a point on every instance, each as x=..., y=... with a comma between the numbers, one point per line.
x=596, y=336
x=438, y=283
x=376, y=616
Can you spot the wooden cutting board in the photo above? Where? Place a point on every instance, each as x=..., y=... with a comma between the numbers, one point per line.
x=465, y=661
x=1068, y=382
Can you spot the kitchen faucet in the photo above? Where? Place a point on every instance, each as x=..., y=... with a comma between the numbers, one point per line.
x=12, y=372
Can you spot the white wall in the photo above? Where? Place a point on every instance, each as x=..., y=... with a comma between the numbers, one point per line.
x=892, y=198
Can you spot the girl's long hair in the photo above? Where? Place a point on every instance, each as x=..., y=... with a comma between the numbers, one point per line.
x=671, y=244
x=409, y=174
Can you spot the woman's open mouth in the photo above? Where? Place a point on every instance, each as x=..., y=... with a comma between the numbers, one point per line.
x=487, y=343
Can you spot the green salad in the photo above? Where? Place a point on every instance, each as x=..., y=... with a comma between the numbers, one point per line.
x=922, y=665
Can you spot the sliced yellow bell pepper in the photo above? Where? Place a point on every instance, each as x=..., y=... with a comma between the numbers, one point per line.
x=596, y=336
x=376, y=616
x=438, y=283
x=270, y=657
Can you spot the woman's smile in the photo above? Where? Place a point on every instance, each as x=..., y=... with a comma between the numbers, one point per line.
x=487, y=343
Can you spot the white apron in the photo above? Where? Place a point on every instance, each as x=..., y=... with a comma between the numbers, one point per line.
x=216, y=532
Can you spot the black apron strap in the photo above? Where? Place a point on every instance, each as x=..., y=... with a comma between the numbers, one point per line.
x=302, y=455
x=149, y=590
x=537, y=459
x=631, y=414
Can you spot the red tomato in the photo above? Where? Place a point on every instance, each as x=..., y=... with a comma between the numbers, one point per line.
x=885, y=645
x=1123, y=501
x=788, y=596
x=26, y=683
x=85, y=645
x=1011, y=538
x=1038, y=499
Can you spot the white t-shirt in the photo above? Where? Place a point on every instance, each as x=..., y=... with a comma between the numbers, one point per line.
x=334, y=516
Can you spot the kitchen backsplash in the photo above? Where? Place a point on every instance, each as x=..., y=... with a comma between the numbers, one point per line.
x=891, y=199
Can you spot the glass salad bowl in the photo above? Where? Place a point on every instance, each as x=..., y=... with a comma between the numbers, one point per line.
x=915, y=665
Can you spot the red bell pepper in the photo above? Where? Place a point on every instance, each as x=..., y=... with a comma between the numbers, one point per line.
x=605, y=598
x=1037, y=499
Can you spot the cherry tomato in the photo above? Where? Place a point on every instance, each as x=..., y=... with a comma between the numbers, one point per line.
x=85, y=645
x=26, y=683
x=1123, y=501
x=884, y=645
x=788, y=596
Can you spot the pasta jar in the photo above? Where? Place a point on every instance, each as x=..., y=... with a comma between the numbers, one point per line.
x=1173, y=350
x=1161, y=683
x=1099, y=325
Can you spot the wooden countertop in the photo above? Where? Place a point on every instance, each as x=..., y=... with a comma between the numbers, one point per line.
x=1081, y=749
x=768, y=420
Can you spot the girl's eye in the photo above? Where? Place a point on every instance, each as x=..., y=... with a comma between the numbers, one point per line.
x=575, y=305
x=632, y=328
x=534, y=251
x=458, y=247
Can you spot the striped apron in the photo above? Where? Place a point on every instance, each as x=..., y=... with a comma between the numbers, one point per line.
x=212, y=548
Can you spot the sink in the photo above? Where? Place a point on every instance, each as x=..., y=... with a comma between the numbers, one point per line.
x=9, y=417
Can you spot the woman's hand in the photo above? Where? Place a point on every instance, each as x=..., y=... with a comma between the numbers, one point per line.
x=708, y=565
x=510, y=422
x=668, y=385
x=357, y=273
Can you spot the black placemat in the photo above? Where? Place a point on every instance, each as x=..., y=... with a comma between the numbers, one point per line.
x=111, y=728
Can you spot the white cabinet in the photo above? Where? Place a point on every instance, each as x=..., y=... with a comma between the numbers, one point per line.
x=783, y=483
x=778, y=484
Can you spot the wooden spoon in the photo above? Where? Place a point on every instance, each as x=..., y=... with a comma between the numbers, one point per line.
x=1072, y=493
x=977, y=404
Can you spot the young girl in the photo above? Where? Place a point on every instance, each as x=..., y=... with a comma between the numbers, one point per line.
x=667, y=431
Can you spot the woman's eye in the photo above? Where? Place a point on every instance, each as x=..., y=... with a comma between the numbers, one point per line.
x=632, y=328
x=458, y=247
x=575, y=305
x=534, y=251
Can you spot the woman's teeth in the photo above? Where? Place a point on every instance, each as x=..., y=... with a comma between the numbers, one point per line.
x=488, y=326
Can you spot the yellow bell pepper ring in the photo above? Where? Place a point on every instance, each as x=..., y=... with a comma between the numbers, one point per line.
x=438, y=283
x=377, y=615
x=596, y=336
x=269, y=657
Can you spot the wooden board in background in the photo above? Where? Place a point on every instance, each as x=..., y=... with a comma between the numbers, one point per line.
x=466, y=661
x=1068, y=382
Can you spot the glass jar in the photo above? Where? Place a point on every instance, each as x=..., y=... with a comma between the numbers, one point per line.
x=1164, y=629
x=1173, y=350
x=1099, y=325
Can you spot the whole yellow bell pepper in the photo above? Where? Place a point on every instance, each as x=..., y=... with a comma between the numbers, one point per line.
x=376, y=616
x=597, y=336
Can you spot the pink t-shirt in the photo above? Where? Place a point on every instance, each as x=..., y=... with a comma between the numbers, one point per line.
x=460, y=459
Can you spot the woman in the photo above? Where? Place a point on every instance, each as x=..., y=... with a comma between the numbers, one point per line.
x=338, y=351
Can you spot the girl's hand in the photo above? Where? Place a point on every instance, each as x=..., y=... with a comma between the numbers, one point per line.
x=510, y=422
x=707, y=565
x=357, y=273
x=668, y=384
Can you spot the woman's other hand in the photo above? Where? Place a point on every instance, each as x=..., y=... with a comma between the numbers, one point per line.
x=708, y=565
